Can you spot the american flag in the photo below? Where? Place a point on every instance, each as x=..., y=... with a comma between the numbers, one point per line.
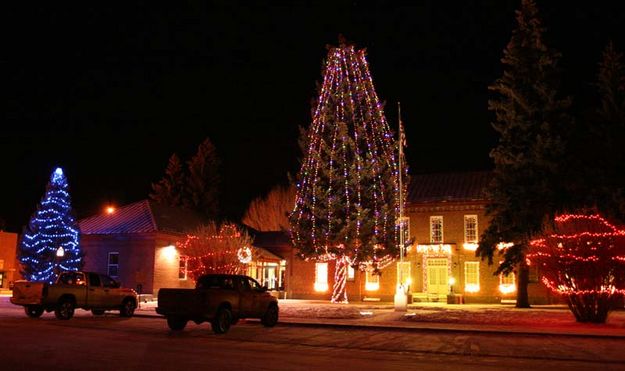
x=402, y=134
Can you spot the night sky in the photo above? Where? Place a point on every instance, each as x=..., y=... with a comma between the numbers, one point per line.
x=109, y=91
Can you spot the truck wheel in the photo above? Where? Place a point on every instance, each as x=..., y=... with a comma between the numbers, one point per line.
x=222, y=321
x=65, y=309
x=176, y=323
x=33, y=311
x=97, y=312
x=270, y=318
x=127, y=309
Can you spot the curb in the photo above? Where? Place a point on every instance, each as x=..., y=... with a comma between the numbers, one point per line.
x=288, y=322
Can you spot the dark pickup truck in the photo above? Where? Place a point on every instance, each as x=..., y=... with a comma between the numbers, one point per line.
x=219, y=299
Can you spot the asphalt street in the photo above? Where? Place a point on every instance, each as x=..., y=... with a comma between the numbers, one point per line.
x=113, y=343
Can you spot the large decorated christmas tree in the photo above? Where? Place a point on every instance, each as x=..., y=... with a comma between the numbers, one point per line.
x=347, y=188
x=50, y=242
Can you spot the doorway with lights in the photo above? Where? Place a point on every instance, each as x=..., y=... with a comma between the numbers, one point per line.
x=437, y=276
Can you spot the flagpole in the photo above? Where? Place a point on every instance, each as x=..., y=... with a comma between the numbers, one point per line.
x=401, y=203
x=401, y=297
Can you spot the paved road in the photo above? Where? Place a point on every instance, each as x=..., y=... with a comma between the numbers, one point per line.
x=112, y=343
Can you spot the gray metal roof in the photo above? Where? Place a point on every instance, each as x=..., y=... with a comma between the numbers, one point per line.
x=142, y=217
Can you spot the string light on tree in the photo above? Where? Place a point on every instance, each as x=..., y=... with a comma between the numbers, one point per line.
x=217, y=248
x=50, y=243
x=347, y=189
x=583, y=259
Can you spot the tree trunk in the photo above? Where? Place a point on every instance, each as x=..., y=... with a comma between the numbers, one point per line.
x=522, y=297
x=339, y=291
x=591, y=307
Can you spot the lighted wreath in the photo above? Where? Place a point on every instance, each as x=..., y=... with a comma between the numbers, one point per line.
x=245, y=255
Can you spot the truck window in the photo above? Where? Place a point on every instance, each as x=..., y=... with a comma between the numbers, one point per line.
x=94, y=279
x=71, y=278
x=107, y=281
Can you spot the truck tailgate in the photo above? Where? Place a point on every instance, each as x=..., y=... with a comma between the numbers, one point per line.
x=179, y=302
x=27, y=293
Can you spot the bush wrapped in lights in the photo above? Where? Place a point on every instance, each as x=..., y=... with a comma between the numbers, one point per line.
x=583, y=258
x=219, y=249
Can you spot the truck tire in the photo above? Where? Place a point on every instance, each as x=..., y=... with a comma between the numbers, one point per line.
x=270, y=318
x=97, y=312
x=33, y=311
x=128, y=308
x=176, y=323
x=222, y=321
x=65, y=309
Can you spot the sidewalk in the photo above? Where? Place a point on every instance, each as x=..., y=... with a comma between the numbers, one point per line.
x=540, y=320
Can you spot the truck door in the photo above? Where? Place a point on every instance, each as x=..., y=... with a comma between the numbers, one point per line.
x=95, y=292
x=247, y=295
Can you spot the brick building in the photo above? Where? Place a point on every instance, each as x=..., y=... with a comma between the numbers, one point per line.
x=445, y=215
x=136, y=244
x=9, y=267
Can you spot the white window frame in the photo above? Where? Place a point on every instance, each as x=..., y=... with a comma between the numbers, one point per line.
x=475, y=238
x=351, y=273
x=405, y=221
x=435, y=219
x=185, y=259
x=507, y=283
x=404, y=267
x=469, y=284
x=109, y=265
x=372, y=281
x=321, y=277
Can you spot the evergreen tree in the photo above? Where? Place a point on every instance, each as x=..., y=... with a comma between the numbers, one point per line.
x=346, y=204
x=202, y=182
x=605, y=185
x=50, y=243
x=170, y=189
x=527, y=187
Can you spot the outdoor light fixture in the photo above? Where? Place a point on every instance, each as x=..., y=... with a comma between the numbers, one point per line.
x=469, y=246
x=60, y=252
x=169, y=252
x=110, y=210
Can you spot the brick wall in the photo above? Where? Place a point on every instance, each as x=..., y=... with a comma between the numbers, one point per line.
x=8, y=260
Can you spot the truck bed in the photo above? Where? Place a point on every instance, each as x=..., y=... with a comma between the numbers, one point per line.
x=27, y=293
x=180, y=302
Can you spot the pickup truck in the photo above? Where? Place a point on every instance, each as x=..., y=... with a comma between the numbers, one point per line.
x=219, y=299
x=86, y=290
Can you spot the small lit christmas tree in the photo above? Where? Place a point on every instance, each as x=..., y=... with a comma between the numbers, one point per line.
x=347, y=189
x=50, y=242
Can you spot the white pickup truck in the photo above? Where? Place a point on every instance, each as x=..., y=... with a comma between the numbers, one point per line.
x=86, y=290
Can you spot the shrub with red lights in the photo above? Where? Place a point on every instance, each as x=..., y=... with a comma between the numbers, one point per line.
x=220, y=249
x=583, y=258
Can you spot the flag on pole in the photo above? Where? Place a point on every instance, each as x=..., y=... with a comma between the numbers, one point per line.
x=402, y=134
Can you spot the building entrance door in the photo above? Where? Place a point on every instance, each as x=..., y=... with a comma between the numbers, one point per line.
x=437, y=276
x=270, y=279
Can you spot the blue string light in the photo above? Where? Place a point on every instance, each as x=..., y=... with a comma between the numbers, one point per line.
x=50, y=228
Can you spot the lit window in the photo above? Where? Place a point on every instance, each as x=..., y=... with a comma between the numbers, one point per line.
x=183, y=269
x=436, y=229
x=372, y=281
x=470, y=228
x=350, y=273
x=113, y=264
x=403, y=274
x=471, y=276
x=507, y=283
x=404, y=224
x=321, y=277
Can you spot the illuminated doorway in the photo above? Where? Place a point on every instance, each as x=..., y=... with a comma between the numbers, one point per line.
x=437, y=276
